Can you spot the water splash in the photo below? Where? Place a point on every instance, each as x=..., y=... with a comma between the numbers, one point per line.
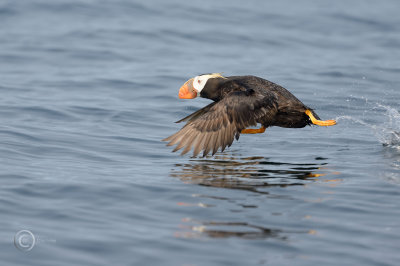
x=388, y=132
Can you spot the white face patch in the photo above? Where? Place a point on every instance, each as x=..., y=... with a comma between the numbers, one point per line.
x=199, y=82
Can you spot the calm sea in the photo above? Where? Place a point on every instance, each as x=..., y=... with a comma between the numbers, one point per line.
x=89, y=88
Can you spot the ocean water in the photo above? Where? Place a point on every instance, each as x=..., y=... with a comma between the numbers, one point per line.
x=89, y=88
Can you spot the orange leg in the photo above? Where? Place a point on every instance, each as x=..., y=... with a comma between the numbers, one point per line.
x=253, y=130
x=319, y=122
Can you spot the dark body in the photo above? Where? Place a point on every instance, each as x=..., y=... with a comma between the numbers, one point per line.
x=285, y=109
x=239, y=102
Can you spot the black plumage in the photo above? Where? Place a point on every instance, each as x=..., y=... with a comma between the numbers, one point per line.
x=239, y=102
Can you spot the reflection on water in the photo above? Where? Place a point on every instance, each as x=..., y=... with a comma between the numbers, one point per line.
x=251, y=173
x=227, y=229
x=255, y=174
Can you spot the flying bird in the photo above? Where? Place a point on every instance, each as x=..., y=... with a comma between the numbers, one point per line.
x=239, y=102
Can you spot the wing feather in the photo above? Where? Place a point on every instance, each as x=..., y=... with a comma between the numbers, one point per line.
x=197, y=113
x=219, y=123
x=199, y=144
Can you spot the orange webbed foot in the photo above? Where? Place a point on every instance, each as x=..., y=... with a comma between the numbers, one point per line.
x=253, y=130
x=320, y=122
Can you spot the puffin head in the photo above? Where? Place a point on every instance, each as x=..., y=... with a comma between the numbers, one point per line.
x=193, y=87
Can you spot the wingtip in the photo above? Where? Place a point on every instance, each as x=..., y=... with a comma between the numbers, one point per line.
x=237, y=136
x=184, y=152
x=167, y=138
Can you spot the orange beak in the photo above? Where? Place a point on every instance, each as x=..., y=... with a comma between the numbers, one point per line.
x=187, y=91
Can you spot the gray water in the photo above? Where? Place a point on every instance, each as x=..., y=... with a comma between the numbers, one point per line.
x=89, y=88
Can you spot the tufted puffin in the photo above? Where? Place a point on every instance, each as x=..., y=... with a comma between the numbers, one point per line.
x=238, y=102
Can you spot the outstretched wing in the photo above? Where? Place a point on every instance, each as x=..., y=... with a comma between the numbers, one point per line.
x=198, y=113
x=216, y=125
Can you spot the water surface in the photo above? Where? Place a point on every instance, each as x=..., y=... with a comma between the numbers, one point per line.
x=89, y=88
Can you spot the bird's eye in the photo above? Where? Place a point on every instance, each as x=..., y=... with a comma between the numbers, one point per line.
x=199, y=81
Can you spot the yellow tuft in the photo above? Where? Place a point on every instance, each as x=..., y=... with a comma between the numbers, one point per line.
x=217, y=75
